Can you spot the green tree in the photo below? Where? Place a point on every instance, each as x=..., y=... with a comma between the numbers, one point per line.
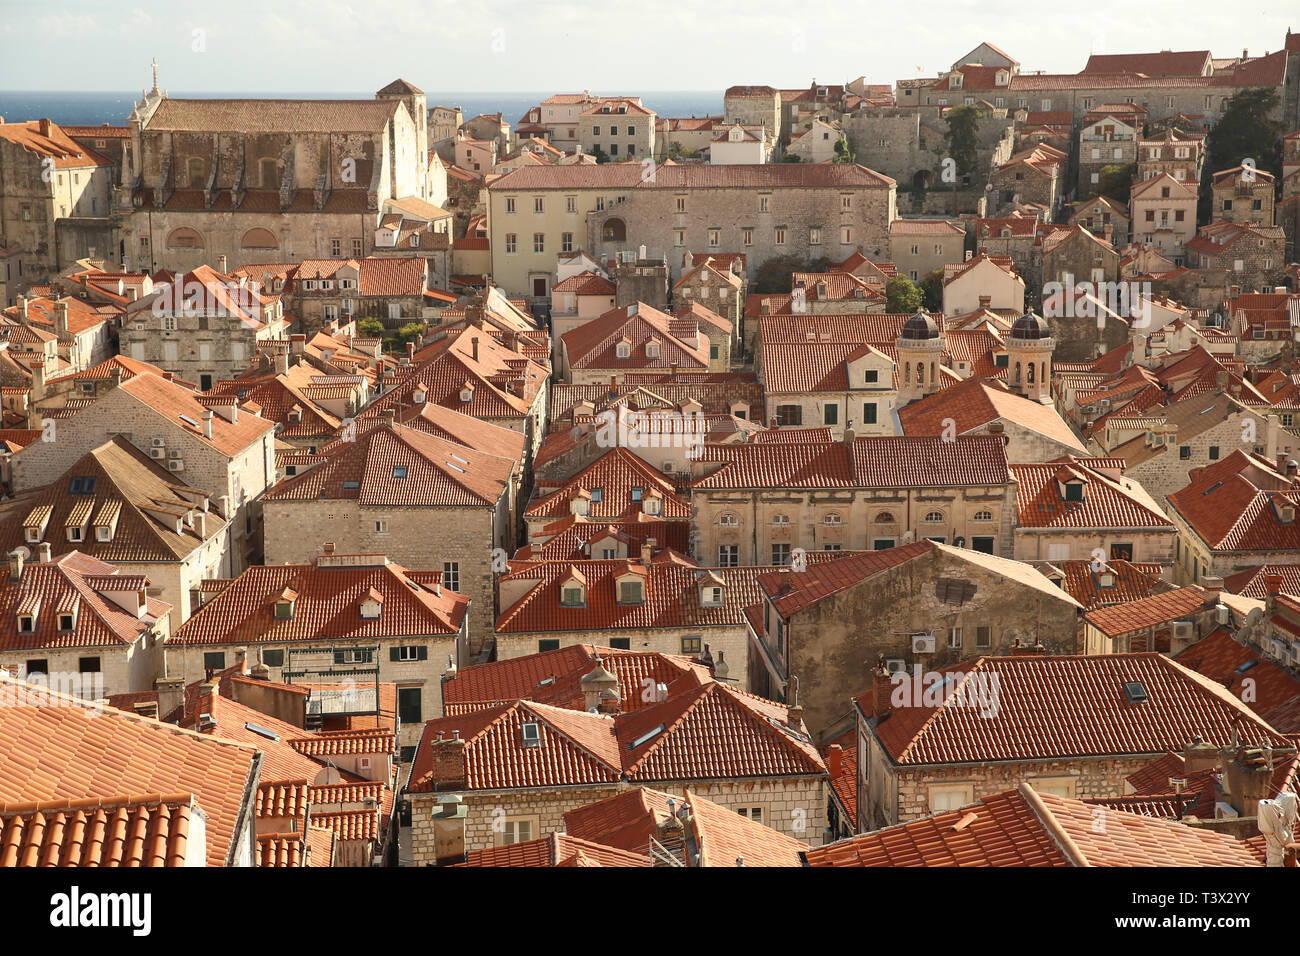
x=932, y=291
x=410, y=332
x=792, y=158
x=1245, y=131
x=842, y=152
x=1115, y=181
x=774, y=274
x=962, y=138
x=901, y=295
x=370, y=328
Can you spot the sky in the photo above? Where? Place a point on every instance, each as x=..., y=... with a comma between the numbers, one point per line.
x=611, y=46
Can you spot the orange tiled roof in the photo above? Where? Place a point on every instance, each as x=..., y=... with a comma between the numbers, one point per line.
x=615, y=474
x=1235, y=505
x=554, y=677
x=1180, y=704
x=326, y=605
x=283, y=799
x=976, y=402
x=333, y=743
x=1025, y=828
x=1108, y=501
x=127, y=831
x=75, y=751
x=1147, y=612
x=51, y=142
x=1131, y=582
x=555, y=849
x=1238, y=667
x=707, y=732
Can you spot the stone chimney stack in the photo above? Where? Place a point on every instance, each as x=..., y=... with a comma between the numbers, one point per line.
x=221, y=264
x=834, y=760
x=297, y=344
x=600, y=689
x=1199, y=755
x=281, y=361
x=16, y=565
x=449, y=771
x=881, y=690
x=171, y=695
x=207, y=423
x=647, y=550
x=61, y=317
x=43, y=552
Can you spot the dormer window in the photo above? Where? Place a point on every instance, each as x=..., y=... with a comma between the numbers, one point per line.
x=32, y=535
x=1074, y=491
x=66, y=622
x=597, y=495
x=419, y=395
x=284, y=610
x=467, y=393
x=652, y=505
x=631, y=592
x=573, y=590
x=624, y=350
x=652, y=350
x=373, y=606
x=26, y=623
x=103, y=533
x=530, y=735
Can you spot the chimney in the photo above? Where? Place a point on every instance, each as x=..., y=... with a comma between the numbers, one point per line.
x=38, y=382
x=241, y=658
x=207, y=423
x=22, y=306
x=390, y=417
x=410, y=351
x=43, y=552
x=986, y=301
x=794, y=717
x=448, y=771
x=647, y=550
x=1247, y=778
x=1199, y=755
x=147, y=708
x=1235, y=291
x=1019, y=649
x=473, y=345
x=15, y=565
x=44, y=126
x=221, y=264
x=115, y=373
x=996, y=427
x=834, y=760
x=61, y=317
x=281, y=362
x=1213, y=587
x=297, y=344
x=849, y=435
x=881, y=690
x=171, y=695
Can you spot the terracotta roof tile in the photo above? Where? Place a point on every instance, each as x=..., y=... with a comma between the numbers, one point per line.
x=127, y=831
x=555, y=849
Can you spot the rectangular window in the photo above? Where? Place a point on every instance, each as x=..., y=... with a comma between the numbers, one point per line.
x=715, y=237
x=728, y=556
x=336, y=247
x=983, y=637
x=548, y=644
x=681, y=203
x=762, y=203
x=273, y=658
x=409, y=710
x=538, y=205
x=789, y=415
x=571, y=204
x=214, y=660
x=510, y=205
x=814, y=236
x=781, y=553
x=356, y=249
x=679, y=237
x=511, y=243
x=846, y=235
x=954, y=637
x=451, y=575
x=88, y=665
x=566, y=242
x=539, y=242
x=831, y=415
x=780, y=236
x=1214, y=453
x=747, y=236
x=868, y=413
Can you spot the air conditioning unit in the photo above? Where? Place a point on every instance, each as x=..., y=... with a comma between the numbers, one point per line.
x=157, y=452
x=1293, y=654
x=176, y=453
x=1222, y=614
x=159, y=441
x=175, y=465
x=1183, y=631
x=923, y=643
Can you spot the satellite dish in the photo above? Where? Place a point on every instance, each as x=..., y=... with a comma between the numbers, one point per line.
x=329, y=776
x=23, y=551
x=1253, y=617
x=1242, y=636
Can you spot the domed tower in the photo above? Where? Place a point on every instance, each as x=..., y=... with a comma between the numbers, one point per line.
x=920, y=353
x=1029, y=358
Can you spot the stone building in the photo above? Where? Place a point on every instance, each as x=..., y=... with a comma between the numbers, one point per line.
x=930, y=606
x=717, y=288
x=266, y=180
x=116, y=505
x=1162, y=211
x=808, y=211
x=985, y=281
x=55, y=196
x=425, y=501
x=618, y=127
x=758, y=503
x=1108, y=136
x=203, y=326
x=1103, y=216
x=710, y=738
x=1243, y=194
x=919, y=246
x=1252, y=255
x=78, y=615
x=212, y=444
x=926, y=747
x=1176, y=155
x=1075, y=508
x=1234, y=514
x=752, y=106
x=374, y=612
x=1035, y=175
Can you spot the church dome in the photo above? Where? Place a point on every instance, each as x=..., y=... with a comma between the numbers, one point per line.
x=1030, y=326
x=920, y=327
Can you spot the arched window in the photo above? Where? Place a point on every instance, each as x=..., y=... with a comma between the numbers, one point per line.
x=780, y=519
x=832, y=518
x=1029, y=372
x=184, y=237
x=983, y=516
x=920, y=374
x=728, y=520
x=259, y=239
x=934, y=517
x=1017, y=373
x=885, y=517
